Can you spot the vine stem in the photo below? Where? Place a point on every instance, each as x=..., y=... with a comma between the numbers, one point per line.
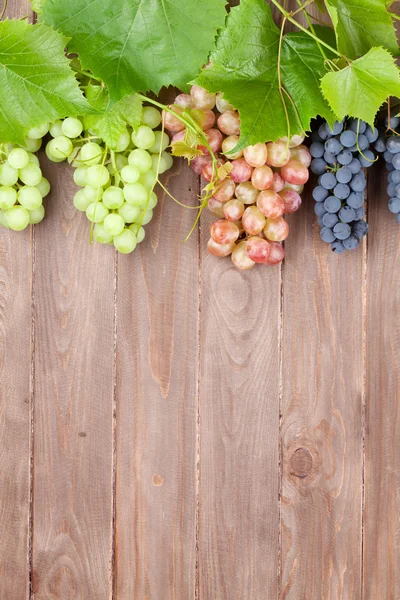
x=3, y=12
x=280, y=78
x=311, y=26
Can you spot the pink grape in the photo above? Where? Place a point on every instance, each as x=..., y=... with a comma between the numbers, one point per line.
x=258, y=249
x=240, y=258
x=295, y=172
x=198, y=163
x=262, y=177
x=201, y=98
x=171, y=122
x=277, y=253
x=178, y=137
x=216, y=207
x=204, y=117
x=224, y=232
x=253, y=220
x=256, y=156
x=278, y=184
x=302, y=154
x=278, y=154
x=292, y=186
x=276, y=230
x=228, y=144
x=184, y=100
x=246, y=193
x=225, y=190
x=292, y=201
x=220, y=249
x=207, y=171
x=222, y=104
x=233, y=210
x=241, y=171
x=270, y=204
x=229, y=123
x=214, y=138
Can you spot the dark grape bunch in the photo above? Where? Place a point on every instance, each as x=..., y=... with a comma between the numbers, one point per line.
x=339, y=156
x=391, y=153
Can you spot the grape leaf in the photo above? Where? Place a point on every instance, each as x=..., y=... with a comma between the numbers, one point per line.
x=36, y=82
x=362, y=24
x=112, y=119
x=37, y=6
x=244, y=66
x=360, y=89
x=139, y=45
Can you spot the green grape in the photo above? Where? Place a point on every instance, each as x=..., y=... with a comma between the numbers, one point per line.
x=36, y=215
x=18, y=158
x=93, y=194
x=43, y=187
x=3, y=219
x=100, y=234
x=91, y=154
x=17, y=218
x=50, y=155
x=37, y=133
x=166, y=156
x=56, y=129
x=81, y=201
x=139, y=231
x=61, y=146
x=31, y=174
x=144, y=137
x=97, y=176
x=125, y=242
x=33, y=159
x=29, y=197
x=8, y=175
x=147, y=216
x=121, y=161
x=136, y=194
x=130, y=174
x=152, y=203
x=161, y=141
x=151, y=117
x=113, y=197
x=80, y=176
x=32, y=145
x=148, y=179
x=140, y=159
x=96, y=212
x=71, y=127
x=8, y=197
x=123, y=142
x=129, y=213
x=114, y=224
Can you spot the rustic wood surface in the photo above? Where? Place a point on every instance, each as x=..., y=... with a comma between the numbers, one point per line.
x=173, y=429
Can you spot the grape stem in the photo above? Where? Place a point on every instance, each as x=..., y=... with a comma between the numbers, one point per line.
x=3, y=12
x=311, y=26
x=86, y=74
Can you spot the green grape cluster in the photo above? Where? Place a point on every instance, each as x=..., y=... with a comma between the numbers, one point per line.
x=22, y=185
x=116, y=185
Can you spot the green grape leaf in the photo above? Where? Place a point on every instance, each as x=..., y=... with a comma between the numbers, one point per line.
x=360, y=89
x=361, y=25
x=112, y=119
x=36, y=82
x=140, y=45
x=184, y=150
x=37, y=6
x=244, y=66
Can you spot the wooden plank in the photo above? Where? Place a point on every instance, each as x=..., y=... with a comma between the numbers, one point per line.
x=73, y=443
x=157, y=405
x=382, y=459
x=239, y=468
x=15, y=394
x=322, y=454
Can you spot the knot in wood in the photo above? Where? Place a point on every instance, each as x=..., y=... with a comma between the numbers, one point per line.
x=301, y=462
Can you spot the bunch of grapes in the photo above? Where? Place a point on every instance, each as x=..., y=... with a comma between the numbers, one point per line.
x=339, y=156
x=116, y=186
x=22, y=185
x=257, y=187
x=390, y=147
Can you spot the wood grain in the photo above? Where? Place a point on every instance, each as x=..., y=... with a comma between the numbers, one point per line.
x=73, y=440
x=157, y=370
x=322, y=379
x=382, y=443
x=15, y=396
x=239, y=392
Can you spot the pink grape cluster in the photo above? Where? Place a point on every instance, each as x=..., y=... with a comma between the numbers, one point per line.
x=261, y=186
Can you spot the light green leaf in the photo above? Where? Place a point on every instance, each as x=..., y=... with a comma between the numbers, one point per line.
x=362, y=24
x=36, y=82
x=111, y=123
x=361, y=88
x=139, y=45
x=244, y=67
x=37, y=6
